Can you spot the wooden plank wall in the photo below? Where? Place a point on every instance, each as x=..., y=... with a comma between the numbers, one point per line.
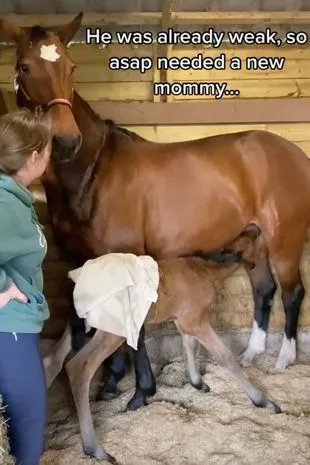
x=96, y=82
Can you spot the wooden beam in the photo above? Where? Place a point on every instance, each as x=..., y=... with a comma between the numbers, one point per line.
x=3, y=106
x=154, y=18
x=242, y=17
x=165, y=49
x=249, y=111
x=89, y=19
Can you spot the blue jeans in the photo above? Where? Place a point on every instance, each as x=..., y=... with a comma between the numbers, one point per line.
x=23, y=388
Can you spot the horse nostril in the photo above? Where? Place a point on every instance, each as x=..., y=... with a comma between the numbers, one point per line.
x=65, y=149
x=65, y=143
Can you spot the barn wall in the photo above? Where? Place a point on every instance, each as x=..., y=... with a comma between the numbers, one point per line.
x=96, y=82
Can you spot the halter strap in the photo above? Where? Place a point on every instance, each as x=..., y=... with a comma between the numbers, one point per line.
x=51, y=103
x=61, y=101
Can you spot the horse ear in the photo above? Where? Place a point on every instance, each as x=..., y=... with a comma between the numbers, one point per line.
x=67, y=31
x=10, y=30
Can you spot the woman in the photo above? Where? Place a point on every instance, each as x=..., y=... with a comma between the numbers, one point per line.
x=25, y=147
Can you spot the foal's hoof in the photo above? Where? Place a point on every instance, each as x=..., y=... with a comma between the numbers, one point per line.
x=246, y=359
x=138, y=401
x=202, y=386
x=97, y=452
x=273, y=407
x=268, y=404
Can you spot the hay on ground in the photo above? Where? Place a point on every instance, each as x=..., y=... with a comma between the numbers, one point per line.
x=5, y=457
x=182, y=426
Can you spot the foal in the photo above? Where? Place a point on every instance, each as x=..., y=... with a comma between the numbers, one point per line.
x=187, y=288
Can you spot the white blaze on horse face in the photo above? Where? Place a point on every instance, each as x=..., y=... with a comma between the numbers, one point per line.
x=49, y=53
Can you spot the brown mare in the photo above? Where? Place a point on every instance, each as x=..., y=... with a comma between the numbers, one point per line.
x=109, y=190
x=187, y=288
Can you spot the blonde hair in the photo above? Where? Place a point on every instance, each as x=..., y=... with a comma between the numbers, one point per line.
x=21, y=133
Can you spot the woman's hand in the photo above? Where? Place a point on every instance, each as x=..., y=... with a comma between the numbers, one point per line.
x=12, y=293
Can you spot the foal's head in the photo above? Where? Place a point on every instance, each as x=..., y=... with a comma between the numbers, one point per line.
x=44, y=76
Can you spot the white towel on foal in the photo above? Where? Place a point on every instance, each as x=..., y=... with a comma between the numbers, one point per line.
x=115, y=292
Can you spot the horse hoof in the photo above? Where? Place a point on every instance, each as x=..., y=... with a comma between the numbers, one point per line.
x=106, y=395
x=273, y=371
x=97, y=452
x=138, y=401
x=273, y=407
x=246, y=359
x=267, y=404
x=282, y=364
x=202, y=386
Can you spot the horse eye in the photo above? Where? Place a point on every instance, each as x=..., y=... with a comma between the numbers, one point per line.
x=24, y=68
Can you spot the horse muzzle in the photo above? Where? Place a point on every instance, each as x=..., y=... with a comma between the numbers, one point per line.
x=65, y=149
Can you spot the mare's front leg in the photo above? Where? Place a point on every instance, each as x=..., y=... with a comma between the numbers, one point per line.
x=145, y=381
x=115, y=366
x=81, y=369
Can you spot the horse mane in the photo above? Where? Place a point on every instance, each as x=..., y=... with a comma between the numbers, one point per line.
x=118, y=129
x=109, y=125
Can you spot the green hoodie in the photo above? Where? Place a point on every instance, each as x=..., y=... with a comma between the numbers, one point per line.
x=22, y=251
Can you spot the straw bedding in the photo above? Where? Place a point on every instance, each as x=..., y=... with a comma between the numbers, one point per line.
x=5, y=457
x=182, y=426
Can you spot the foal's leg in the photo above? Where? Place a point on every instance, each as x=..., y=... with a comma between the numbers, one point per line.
x=206, y=335
x=53, y=362
x=191, y=346
x=80, y=369
x=264, y=288
x=145, y=381
x=72, y=338
x=115, y=363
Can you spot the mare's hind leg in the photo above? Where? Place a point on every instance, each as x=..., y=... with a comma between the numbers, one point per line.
x=191, y=346
x=292, y=297
x=264, y=288
x=81, y=369
x=285, y=252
